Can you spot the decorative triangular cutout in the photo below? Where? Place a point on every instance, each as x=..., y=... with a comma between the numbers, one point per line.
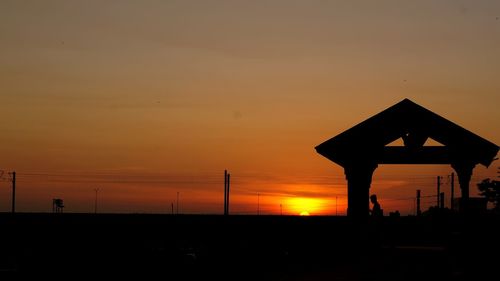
x=428, y=142
x=398, y=142
x=432, y=142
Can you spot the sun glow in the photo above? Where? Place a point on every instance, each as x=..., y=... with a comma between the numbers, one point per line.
x=306, y=206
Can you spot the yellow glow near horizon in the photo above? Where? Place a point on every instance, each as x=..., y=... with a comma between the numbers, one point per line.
x=306, y=206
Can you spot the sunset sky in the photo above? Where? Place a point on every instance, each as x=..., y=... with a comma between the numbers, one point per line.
x=144, y=99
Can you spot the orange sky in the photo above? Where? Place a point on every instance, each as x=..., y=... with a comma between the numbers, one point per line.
x=144, y=99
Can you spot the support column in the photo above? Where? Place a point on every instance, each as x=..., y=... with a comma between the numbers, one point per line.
x=464, y=174
x=359, y=179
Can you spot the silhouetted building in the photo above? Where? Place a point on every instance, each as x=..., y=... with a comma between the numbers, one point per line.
x=363, y=147
x=394, y=214
x=57, y=205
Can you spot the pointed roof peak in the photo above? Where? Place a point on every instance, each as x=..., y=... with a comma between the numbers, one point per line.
x=403, y=105
x=407, y=101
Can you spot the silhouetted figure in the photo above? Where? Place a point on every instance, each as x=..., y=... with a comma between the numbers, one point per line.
x=376, y=211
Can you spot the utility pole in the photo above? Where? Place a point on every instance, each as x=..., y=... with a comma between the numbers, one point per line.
x=227, y=184
x=172, y=208
x=95, y=202
x=227, y=199
x=13, y=192
x=452, y=203
x=225, y=192
x=438, y=190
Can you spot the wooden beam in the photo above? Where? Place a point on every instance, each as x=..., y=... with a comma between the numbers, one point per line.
x=422, y=155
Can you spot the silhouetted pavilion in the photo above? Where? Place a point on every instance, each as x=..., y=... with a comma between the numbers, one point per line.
x=360, y=149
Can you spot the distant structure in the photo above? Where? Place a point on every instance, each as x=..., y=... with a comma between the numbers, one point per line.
x=394, y=214
x=227, y=181
x=57, y=205
x=360, y=149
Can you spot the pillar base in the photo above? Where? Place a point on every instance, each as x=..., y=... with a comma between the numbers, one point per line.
x=359, y=178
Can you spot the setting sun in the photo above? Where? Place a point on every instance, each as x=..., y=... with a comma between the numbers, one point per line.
x=306, y=206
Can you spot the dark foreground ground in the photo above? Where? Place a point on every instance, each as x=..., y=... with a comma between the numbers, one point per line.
x=188, y=247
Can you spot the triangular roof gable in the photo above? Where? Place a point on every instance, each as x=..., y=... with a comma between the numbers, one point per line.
x=400, y=119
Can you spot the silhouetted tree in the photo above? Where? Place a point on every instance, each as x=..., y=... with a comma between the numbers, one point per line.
x=490, y=189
